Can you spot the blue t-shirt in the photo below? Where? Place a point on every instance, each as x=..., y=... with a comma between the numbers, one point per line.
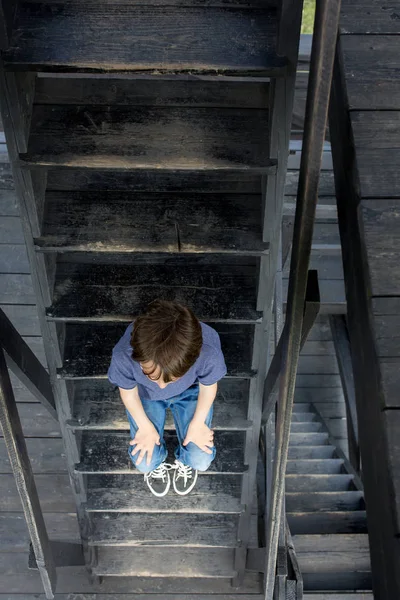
x=126, y=373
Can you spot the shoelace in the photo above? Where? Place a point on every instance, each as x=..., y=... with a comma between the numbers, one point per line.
x=160, y=472
x=183, y=471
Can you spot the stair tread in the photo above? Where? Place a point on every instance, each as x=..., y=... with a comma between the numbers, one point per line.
x=96, y=341
x=339, y=596
x=119, y=222
x=97, y=405
x=230, y=40
x=119, y=493
x=313, y=501
x=107, y=452
x=307, y=452
x=296, y=482
x=118, y=287
x=305, y=427
x=151, y=562
x=327, y=522
x=332, y=553
x=314, y=466
x=309, y=438
x=130, y=529
x=173, y=138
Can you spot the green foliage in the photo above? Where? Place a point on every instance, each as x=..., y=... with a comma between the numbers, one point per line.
x=308, y=16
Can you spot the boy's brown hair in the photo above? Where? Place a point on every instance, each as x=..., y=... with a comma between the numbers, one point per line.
x=169, y=335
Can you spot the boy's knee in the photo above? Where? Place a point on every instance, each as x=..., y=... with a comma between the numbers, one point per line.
x=197, y=458
x=143, y=467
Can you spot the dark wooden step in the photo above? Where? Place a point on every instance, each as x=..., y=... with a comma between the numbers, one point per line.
x=339, y=553
x=324, y=501
x=341, y=596
x=303, y=417
x=327, y=522
x=97, y=405
x=127, y=493
x=318, y=482
x=338, y=582
x=106, y=452
x=144, y=529
x=118, y=287
x=306, y=452
x=305, y=427
x=315, y=466
x=119, y=222
x=148, y=37
x=309, y=439
x=96, y=341
x=120, y=137
x=152, y=562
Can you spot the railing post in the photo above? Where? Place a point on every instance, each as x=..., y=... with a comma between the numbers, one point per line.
x=321, y=68
x=21, y=466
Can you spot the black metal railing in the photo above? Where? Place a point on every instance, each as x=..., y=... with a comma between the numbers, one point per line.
x=299, y=315
x=25, y=365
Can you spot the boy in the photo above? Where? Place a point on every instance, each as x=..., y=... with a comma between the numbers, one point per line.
x=168, y=359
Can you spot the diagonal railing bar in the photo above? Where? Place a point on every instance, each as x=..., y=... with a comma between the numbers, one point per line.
x=311, y=310
x=25, y=365
x=321, y=68
x=22, y=470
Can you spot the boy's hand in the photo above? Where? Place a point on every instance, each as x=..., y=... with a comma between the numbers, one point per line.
x=145, y=439
x=201, y=435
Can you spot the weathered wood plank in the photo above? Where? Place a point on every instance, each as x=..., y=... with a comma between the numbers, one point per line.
x=15, y=537
x=326, y=183
x=130, y=529
x=206, y=562
x=11, y=231
x=46, y=455
x=390, y=383
x=8, y=203
x=391, y=422
x=13, y=258
x=319, y=396
x=371, y=69
x=369, y=16
x=97, y=341
x=153, y=180
x=35, y=343
x=212, y=494
x=16, y=289
x=24, y=318
x=6, y=178
x=324, y=501
x=149, y=137
x=121, y=91
x=21, y=393
x=328, y=522
x=37, y=422
x=97, y=405
x=107, y=452
x=121, y=290
x=54, y=490
x=188, y=38
x=318, y=381
x=185, y=222
x=329, y=266
x=333, y=297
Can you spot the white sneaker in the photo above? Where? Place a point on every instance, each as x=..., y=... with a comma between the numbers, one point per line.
x=159, y=480
x=184, y=478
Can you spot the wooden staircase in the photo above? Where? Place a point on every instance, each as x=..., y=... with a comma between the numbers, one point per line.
x=149, y=145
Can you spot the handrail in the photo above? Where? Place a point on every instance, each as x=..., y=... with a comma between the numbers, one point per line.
x=18, y=452
x=321, y=68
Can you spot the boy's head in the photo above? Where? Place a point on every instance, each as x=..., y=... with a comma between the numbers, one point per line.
x=166, y=340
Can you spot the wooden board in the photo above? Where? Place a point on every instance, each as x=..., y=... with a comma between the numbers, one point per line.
x=369, y=16
x=16, y=289
x=97, y=341
x=14, y=258
x=168, y=91
x=326, y=183
x=36, y=421
x=97, y=405
x=11, y=230
x=371, y=68
x=24, y=318
x=115, y=137
x=54, y=490
x=391, y=422
x=15, y=537
x=188, y=38
x=8, y=203
x=107, y=452
x=111, y=221
x=45, y=454
x=120, y=289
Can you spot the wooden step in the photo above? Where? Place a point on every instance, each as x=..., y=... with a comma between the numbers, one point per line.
x=118, y=287
x=106, y=452
x=315, y=466
x=151, y=562
x=97, y=405
x=332, y=553
x=309, y=439
x=305, y=427
x=307, y=452
x=338, y=582
x=303, y=417
x=173, y=138
x=109, y=221
x=327, y=522
x=324, y=501
x=220, y=39
x=144, y=529
x=96, y=341
x=318, y=482
x=121, y=493
x=334, y=596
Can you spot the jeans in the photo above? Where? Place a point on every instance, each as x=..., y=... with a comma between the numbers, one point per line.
x=183, y=408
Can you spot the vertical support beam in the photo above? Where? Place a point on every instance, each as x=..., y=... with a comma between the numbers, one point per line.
x=20, y=464
x=8, y=10
x=343, y=355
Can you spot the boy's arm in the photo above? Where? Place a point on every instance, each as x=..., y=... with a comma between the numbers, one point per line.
x=147, y=435
x=198, y=432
